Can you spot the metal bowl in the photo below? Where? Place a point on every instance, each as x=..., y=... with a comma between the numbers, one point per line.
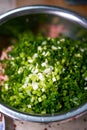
x=42, y=18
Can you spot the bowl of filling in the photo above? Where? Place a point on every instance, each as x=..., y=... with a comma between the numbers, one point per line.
x=43, y=64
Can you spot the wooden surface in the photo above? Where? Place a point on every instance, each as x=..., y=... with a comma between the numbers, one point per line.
x=81, y=9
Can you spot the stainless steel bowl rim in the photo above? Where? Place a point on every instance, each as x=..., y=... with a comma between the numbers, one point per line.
x=45, y=9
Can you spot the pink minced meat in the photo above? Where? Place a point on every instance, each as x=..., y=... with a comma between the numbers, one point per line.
x=4, y=53
x=56, y=30
x=2, y=67
x=52, y=30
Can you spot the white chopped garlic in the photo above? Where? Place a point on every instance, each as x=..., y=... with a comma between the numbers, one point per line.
x=44, y=43
x=54, y=48
x=85, y=79
x=6, y=86
x=54, y=79
x=39, y=48
x=35, y=55
x=35, y=85
x=30, y=60
x=20, y=70
x=40, y=76
x=47, y=71
x=85, y=88
x=59, y=47
x=44, y=64
x=29, y=106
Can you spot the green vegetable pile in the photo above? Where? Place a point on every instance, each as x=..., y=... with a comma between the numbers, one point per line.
x=45, y=75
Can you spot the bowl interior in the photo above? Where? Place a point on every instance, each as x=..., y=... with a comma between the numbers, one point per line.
x=50, y=25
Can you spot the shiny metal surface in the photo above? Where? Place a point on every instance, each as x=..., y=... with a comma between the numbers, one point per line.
x=74, y=26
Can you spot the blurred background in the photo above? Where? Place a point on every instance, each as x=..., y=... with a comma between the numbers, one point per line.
x=79, y=6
